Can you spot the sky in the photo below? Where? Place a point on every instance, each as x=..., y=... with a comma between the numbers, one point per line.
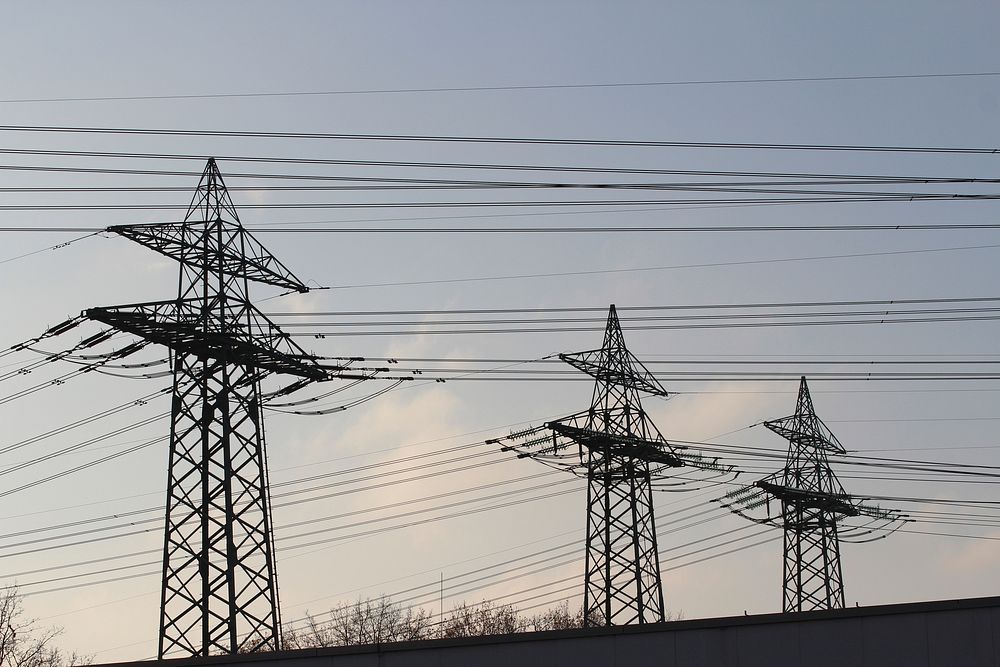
x=220, y=66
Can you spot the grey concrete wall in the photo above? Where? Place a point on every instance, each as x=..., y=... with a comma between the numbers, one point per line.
x=930, y=634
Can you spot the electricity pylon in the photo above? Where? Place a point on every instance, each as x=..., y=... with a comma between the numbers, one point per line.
x=813, y=503
x=220, y=592
x=623, y=457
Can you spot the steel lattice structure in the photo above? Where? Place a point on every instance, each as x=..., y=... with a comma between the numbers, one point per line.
x=623, y=457
x=813, y=504
x=220, y=592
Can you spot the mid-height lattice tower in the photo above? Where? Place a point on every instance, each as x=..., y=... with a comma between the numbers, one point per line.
x=813, y=505
x=220, y=593
x=623, y=457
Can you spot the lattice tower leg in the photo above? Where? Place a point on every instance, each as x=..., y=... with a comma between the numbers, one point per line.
x=813, y=578
x=220, y=593
x=622, y=578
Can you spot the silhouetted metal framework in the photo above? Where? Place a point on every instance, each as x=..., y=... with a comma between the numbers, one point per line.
x=220, y=593
x=813, y=503
x=623, y=457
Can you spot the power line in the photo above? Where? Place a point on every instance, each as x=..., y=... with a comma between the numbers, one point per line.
x=749, y=262
x=807, y=178
x=685, y=361
x=363, y=184
x=423, y=164
x=436, y=508
x=878, y=461
x=878, y=197
x=380, y=477
x=657, y=327
x=464, y=513
x=513, y=140
x=563, y=230
x=460, y=448
x=569, y=229
x=725, y=449
x=352, y=536
x=601, y=309
x=500, y=88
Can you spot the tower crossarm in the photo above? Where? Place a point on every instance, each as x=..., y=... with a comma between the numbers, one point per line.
x=181, y=326
x=600, y=442
x=807, y=431
x=633, y=376
x=805, y=428
x=241, y=255
x=826, y=502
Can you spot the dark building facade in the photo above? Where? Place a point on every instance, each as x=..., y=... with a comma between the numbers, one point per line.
x=946, y=633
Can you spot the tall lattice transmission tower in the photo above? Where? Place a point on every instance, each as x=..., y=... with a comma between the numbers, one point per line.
x=623, y=457
x=220, y=593
x=814, y=507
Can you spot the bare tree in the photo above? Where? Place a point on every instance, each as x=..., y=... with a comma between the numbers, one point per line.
x=380, y=620
x=484, y=618
x=560, y=618
x=368, y=621
x=23, y=643
x=556, y=618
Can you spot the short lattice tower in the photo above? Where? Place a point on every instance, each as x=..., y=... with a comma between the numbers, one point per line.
x=623, y=457
x=813, y=507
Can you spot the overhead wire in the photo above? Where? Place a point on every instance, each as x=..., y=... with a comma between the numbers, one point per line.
x=57, y=246
x=355, y=535
x=314, y=520
x=547, y=564
x=965, y=524
x=778, y=176
x=83, y=466
x=834, y=321
x=576, y=229
x=131, y=523
x=132, y=566
x=691, y=553
x=270, y=206
x=876, y=461
x=510, y=140
x=559, y=274
x=637, y=319
x=638, y=308
x=125, y=351
x=82, y=422
x=766, y=185
x=514, y=87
